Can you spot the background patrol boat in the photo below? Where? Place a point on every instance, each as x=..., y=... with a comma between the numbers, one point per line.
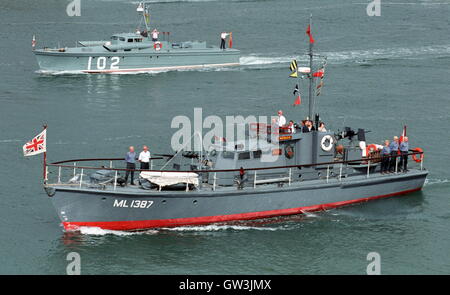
x=133, y=52
x=274, y=172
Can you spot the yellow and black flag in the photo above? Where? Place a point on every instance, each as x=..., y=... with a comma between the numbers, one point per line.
x=293, y=67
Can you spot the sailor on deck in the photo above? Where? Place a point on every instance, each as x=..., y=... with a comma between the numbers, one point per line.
x=322, y=127
x=223, y=37
x=394, y=152
x=144, y=158
x=130, y=159
x=385, y=152
x=155, y=35
x=281, y=119
x=404, y=148
x=308, y=126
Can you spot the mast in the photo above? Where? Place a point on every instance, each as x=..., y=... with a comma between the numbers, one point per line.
x=311, y=99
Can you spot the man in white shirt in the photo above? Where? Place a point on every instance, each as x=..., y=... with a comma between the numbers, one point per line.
x=155, y=35
x=223, y=37
x=281, y=119
x=144, y=158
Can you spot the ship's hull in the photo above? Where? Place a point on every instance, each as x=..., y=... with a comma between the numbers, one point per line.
x=124, y=210
x=116, y=62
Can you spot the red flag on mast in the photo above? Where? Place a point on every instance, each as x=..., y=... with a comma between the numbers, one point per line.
x=308, y=32
x=297, y=101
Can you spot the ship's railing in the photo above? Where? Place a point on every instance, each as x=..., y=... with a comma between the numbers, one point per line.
x=75, y=170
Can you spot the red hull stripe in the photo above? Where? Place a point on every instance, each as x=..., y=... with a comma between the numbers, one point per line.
x=143, y=224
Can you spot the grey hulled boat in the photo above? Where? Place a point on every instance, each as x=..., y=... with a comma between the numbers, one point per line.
x=274, y=171
x=134, y=52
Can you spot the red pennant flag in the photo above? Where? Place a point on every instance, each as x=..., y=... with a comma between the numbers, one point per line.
x=308, y=32
x=298, y=101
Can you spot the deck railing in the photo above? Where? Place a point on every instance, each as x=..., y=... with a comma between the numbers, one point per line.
x=329, y=170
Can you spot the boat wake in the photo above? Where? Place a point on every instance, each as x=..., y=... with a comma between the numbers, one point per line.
x=214, y=228
x=434, y=181
x=96, y=231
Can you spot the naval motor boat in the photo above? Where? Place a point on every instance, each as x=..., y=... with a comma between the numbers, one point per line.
x=137, y=51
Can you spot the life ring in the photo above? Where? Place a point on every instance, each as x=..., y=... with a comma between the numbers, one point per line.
x=370, y=149
x=157, y=46
x=289, y=151
x=327, y=139
x=419, y=150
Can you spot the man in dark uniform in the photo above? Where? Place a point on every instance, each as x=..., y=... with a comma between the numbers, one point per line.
x=385, y=152
x=394, y=153
x=404, y=148
x=130, y=159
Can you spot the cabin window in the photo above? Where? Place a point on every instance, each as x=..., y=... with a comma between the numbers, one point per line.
x=122, y=39
x=114, y=38
x=257, y=154
x=130, y=40
x=138, y=40
x=244, y=156
x=228, y=155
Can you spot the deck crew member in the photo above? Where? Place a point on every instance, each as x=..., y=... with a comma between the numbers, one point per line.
x=281, y=119
x=385, y=152
x=223, y=37
x=155, y=35
x=394, y=153
x=130, y=159
x=322, y=127
x=144, y=158
x=404, y=148
x=291, y=125
x=308, y=126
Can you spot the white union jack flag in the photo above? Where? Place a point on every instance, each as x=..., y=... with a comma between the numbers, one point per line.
x=37, y=145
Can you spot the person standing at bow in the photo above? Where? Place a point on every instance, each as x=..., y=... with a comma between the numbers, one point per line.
x=130, y=159
x=144, y=158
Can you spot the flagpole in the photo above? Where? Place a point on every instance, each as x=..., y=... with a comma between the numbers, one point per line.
x=45, y=159
x=311, y=106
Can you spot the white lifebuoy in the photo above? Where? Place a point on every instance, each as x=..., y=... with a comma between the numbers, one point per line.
x=325, y=139
x=157, y=46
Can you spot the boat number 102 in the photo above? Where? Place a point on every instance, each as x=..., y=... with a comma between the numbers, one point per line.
x=102, y=63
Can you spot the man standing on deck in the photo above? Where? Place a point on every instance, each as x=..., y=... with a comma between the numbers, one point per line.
x=155, y=35
x=394, y=153
x=130, y=158
x=281, y=119
x=385, y=153
x=404, y=148
x=223, y=38
x=144, y=158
